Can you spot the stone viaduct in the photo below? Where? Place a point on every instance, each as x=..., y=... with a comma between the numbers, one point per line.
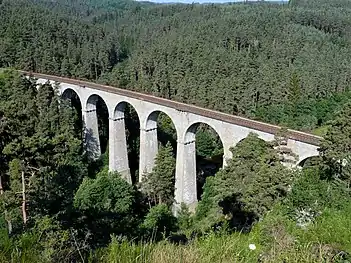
x=231, y=129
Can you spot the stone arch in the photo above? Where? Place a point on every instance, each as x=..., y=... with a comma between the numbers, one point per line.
x=152, y=118
x=203, y=166
x=306, y=160
x=76, y=103
x=96, y=129
x=190, y=132
x=92, y=102
x=120, y=110
x=149, y=141
x=70, y=93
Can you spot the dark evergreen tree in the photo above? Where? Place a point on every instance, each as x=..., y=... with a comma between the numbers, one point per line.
x=44, y=156
x=248, y=187
x=335, y=148
x=159, y=184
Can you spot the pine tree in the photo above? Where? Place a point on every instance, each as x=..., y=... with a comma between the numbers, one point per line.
x=19, y=114
x=159, y=184
x=40, y=147
x=336, y=146
x=204, y=144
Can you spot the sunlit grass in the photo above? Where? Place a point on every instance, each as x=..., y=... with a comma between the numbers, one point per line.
x=277, y=239
x=321, y=131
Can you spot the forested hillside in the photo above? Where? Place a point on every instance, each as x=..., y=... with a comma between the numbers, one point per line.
x=286, y=64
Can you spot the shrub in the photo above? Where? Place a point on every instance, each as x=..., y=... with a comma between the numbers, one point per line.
x=108, y=206
x=248, y=187
x=107, y=193
x=159, y=222
x=312, y=193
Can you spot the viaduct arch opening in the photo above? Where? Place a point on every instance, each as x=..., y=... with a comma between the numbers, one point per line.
x=96, y=126
x=166, y=131
x=157, y=130
x=75, y=102
x=206, y=148
x=308, y=162
x=126, y=149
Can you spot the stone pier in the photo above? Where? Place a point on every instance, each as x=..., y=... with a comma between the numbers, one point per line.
x=185, y=181
x=118, y=151
x=91, y=134
x=148, y=150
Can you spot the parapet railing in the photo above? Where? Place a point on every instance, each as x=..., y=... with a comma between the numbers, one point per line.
x=241, y=121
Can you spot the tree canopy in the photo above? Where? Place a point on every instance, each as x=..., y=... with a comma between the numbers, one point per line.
x=281, y=63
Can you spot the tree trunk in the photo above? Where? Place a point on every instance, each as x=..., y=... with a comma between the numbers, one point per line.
x=24, y=212
x=1, y=188
x=159, y=199
x=9, y=222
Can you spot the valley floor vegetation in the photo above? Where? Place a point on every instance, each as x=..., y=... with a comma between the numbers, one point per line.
x=286, y=64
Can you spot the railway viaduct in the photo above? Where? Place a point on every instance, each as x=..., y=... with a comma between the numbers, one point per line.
x=231, y=129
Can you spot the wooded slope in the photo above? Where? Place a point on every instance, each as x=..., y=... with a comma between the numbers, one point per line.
x=285, y=64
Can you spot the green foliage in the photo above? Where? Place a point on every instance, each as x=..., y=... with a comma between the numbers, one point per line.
x=304, y=113
x=166, y=131
x=159, y=184
x=332, y=228
x=124, y=251
x=108, y=192
x=204, y=144
x=159, y=222
x=107, y=205
x=335, y=147
x=45, y=242
x=55, y=242
x=294, y=89
x=40, y=150
x=312, y=191
x=208, y=144
x=241, y=193
x=185, y=219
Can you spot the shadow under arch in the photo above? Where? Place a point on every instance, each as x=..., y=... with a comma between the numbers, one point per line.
x=208, y=149
x=75, y=102
x=97, y=117
x=130, y=118
x=309, y=161
x=166, y=129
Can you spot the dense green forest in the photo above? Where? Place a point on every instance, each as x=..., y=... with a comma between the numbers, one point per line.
x=287, y=64
x=281, y=63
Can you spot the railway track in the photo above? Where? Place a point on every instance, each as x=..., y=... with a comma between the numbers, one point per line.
x=241, y=121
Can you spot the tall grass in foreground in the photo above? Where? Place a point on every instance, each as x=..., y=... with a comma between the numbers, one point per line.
x=277, y=240
x=221, y=249
x=213, y=248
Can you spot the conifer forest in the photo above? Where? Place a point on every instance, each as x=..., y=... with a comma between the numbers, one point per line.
x=284, y=63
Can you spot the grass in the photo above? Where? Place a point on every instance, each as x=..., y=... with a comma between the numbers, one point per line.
x=277, y=239
x=320, y=131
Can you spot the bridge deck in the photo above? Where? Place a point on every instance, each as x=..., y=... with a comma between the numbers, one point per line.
x=257, y=125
